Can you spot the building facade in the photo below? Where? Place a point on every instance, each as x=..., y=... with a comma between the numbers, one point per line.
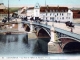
x=22, y=12
x=3, y=11
x=48, y=13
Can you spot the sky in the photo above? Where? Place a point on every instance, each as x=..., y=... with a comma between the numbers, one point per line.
x=69, y=3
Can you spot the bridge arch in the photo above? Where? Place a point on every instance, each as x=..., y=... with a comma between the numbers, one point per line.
x=69, y=45
x=42, y=32
x=26, y=27
x=72, y=47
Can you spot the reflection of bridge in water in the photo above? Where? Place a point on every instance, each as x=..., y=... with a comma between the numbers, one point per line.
x=61, y=37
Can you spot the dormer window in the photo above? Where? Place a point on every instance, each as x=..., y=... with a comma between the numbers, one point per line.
x=56, y=10
x=53, y=10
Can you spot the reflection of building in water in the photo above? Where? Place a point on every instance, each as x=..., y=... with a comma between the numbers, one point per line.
x=41, y=46
x=9, y=38
x=12, y=38
x=25, y=39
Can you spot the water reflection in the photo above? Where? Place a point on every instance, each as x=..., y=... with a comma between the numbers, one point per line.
x=8, y=38
x=13, y=44
x=19, y=44
x=41, y=46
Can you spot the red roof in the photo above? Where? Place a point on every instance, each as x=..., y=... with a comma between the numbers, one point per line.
x=3, y=11
x=30, y=8
x=76, y=13
x=44, y=9
x=56, y=9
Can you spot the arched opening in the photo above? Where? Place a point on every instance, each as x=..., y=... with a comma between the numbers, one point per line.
x=43, y=34
x=27, y=29
x=72, y=47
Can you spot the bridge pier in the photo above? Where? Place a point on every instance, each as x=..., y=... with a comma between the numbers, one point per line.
x=53, y=35
x=31, y=27
x=53, y=45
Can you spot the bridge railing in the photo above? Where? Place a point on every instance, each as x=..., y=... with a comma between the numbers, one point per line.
x=74, y=35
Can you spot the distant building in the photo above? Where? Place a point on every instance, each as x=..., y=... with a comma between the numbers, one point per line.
x=22, y=12
x=76, y=13
x=50, y=13
x=3, y=11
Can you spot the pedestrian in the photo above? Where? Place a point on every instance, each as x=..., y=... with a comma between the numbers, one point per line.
x=71, y=29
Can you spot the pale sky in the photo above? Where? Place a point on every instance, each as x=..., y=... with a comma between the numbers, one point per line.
x=70, y=3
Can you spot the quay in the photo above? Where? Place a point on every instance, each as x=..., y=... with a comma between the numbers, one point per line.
x=11, y=27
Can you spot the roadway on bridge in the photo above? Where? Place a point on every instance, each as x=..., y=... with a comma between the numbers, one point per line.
x=63, y=26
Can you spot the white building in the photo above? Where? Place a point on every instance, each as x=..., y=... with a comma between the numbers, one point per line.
x=48, y=13
x=22, y=12
x=3, y=11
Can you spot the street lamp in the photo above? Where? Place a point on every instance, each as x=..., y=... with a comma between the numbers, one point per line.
x=8, y=10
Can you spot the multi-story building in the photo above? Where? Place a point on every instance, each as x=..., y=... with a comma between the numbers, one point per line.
x=3, y=11
x=50, y=13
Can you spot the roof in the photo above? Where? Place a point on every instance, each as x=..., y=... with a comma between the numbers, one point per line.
x=3, y=11
x=2, y=6
x=23, y=12
x=48, y=9
x=56, y=9
x=30, y=8
x=76, y=13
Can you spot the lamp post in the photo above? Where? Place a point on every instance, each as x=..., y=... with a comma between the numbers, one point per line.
x=8, y=10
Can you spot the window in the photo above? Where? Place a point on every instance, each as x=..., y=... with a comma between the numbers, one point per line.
x=62, y=14
x=62, y=17
x=46, y=18
x=66, y=17
x=57, y=14
x=50, y=18
x=46, y=14
x=53, y=13
x=53, y=10
x=50, y=11
x=65, y=10
x=62, y=10
x=50, y=14
x=69, y=13
x=56, y=10
x=57, y=17
x=69, y=17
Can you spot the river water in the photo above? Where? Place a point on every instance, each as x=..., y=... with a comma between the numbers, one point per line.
x=20, y=45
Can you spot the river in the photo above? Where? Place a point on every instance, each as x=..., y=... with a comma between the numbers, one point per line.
x=20, y=45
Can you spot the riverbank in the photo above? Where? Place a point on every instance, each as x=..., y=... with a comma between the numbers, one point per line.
x=11, y=31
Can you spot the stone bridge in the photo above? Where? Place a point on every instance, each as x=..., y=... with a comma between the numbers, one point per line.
x=61, y=38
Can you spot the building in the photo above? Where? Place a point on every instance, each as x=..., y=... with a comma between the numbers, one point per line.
x=49, y=13
x=76, y=14
x=22, y=12
x=3, y=11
